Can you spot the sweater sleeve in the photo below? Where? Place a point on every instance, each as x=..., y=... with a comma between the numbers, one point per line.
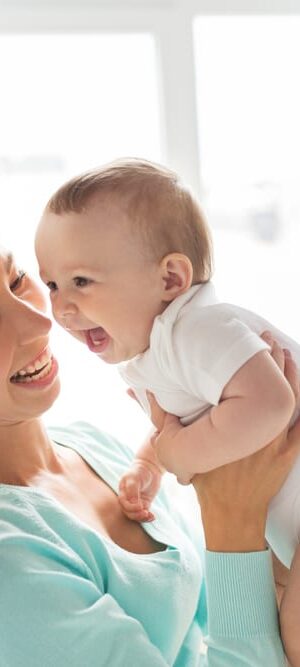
x=242, y=621
x=60, y=618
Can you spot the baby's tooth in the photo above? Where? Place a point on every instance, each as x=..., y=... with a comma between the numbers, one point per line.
x=22, y=373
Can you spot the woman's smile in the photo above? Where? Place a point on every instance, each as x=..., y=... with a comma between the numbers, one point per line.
x=26, y=360
x=38, y=373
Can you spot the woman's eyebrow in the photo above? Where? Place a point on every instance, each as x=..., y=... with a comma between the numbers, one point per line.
x=9, y=259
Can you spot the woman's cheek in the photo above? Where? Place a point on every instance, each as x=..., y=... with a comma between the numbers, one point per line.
x=4, y=363
x=35, y=296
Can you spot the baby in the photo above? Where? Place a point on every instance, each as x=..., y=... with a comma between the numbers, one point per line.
x=126, y=254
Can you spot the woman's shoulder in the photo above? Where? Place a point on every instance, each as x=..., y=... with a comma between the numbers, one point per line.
x=103, y=452
x=110, y=458
x=88, y=438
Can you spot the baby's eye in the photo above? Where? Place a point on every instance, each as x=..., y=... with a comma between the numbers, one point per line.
x=80, y=281
x=52, y=286
x=18, y=281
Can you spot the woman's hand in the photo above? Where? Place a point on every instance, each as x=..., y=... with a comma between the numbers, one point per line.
x=234, y=498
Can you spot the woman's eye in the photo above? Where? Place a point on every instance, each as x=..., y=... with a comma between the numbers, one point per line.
x=18, y=281
x=52, y=286
x=79, y=281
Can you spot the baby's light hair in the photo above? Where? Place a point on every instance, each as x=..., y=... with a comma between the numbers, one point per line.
x=157, y=203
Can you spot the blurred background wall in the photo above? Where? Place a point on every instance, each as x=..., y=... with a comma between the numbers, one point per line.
x=208, y=88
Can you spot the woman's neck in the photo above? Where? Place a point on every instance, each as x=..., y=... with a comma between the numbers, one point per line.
x=26, y=452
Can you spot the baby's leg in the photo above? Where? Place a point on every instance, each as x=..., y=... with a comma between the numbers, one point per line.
x=290, y=613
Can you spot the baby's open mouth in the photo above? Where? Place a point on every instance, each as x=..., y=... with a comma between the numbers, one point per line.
x=97, y=339
x=97, y=335
x=36, y=369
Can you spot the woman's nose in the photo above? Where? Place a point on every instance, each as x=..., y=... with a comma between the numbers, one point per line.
x=29, y=323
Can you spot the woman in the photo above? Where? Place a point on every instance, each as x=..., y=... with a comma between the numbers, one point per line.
x=83, y=585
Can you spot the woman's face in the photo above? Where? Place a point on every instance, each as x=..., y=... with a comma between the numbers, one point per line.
x=28, y=372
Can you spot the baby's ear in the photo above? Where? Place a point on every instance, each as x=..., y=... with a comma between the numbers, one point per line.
x=177, y=275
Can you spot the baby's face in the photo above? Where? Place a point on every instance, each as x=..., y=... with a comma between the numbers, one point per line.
x=103, y=288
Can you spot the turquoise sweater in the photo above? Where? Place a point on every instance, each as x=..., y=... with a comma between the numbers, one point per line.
x=71, y=598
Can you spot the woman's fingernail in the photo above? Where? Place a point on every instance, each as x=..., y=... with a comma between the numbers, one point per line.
x=149, y=395
x=287, y=352
x=267, y=336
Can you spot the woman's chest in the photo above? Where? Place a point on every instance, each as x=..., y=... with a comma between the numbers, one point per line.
x=90, y=499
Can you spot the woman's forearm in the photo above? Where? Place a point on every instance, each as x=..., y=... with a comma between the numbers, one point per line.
x=233, y=531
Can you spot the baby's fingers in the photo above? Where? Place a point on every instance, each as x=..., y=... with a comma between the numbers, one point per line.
x=135, y=511
x=130, y=487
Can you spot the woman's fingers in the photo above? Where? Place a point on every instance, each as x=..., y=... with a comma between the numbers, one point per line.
x=276, y=350
x=292, y=444
x=158, y=415
x=284, y=361
x=291, y=373
x=131, y=393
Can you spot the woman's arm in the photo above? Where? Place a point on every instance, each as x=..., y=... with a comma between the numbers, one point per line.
x=243, y=489
x=242, y=619
x=242, y=623
x=234, y=501
x=281, y=574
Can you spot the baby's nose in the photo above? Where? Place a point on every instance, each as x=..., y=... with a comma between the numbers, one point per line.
x=64, y=311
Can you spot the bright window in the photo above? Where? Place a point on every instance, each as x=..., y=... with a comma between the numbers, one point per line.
x=249, y=110
x=68, y=103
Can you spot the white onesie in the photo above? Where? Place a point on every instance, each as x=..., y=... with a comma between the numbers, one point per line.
x=196, y=346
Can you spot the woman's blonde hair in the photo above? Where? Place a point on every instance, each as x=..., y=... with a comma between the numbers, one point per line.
x=157, y=203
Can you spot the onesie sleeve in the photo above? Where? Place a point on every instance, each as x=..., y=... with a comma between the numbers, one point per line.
x=242, y=621
x=58, y=618
x=210, y=344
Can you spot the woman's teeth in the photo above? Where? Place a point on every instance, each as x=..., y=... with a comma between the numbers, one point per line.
x=35, y=371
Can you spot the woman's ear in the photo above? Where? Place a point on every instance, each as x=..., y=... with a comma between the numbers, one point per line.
x=177, y=275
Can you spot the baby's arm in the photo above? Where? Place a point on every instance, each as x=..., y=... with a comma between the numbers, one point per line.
x=255, y=406
x=140, y=484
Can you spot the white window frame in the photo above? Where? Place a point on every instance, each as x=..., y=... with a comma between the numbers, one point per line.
x=171, y=23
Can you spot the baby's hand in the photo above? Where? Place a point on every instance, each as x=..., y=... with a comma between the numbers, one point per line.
x=137, y=489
